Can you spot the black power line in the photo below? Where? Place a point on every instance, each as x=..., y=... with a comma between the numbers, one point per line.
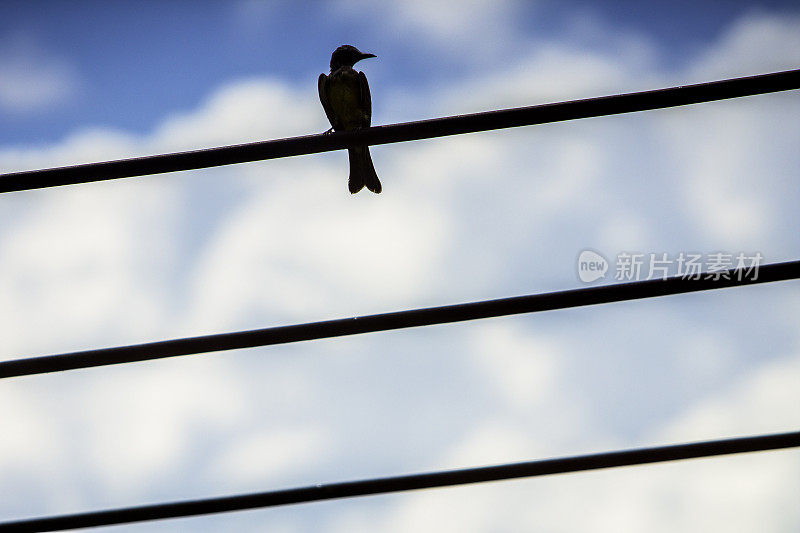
x=409, y=131
x=428, y=480
x=397, y=320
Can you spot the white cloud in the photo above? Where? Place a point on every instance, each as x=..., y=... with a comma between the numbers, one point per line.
x=731, y=162
x=32, y=78
x=446, y=23
x=30, y=446
x=85, y=263
x=540, y=76
x=255, y=109
x=522, y=368
x=272, y=454
x=301, y=247
x=736, y=493
x=469, y=217
x=250, y=12
x=763, y=403
x=755, y=44
x=445, y=20
x=151, y=420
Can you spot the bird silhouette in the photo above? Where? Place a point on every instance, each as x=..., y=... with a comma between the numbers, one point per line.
x=348, y=104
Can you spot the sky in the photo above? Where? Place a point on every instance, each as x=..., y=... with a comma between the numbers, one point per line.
x=462, y=218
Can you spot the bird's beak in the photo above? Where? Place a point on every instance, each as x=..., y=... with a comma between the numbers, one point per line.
x=365, y=56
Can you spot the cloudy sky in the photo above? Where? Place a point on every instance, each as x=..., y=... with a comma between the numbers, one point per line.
x=462, y=218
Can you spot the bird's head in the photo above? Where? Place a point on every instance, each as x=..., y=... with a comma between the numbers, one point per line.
x=347, y=55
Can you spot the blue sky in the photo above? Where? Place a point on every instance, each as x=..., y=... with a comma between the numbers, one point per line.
x=463, y=218
x=130, y=65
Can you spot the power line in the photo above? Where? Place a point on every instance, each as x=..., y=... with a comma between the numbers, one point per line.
x=428, y=480
x=408, y=131
x=397, y=320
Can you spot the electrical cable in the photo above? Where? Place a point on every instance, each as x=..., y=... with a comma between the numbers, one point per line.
x=408, y=131
x=398, y=320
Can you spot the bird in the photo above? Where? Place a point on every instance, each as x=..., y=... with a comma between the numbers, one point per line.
x=348, y=105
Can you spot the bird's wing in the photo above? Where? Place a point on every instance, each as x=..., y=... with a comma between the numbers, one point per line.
x=323, y=86
x=366, y=98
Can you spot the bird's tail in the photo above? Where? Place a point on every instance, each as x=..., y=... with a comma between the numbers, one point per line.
x=362, y=172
